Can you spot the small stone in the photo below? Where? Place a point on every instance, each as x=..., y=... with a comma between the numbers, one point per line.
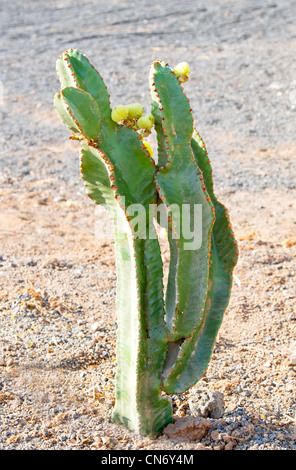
x=215, y=435
x=220, y=447
x=275, y=86
x=292, y=356
x=95, y=326
x=181, y=412
x=229, y=446
x=107, y=441
x=207, y=403
x=292, y=360
x=45, y=431
x=200, y=446
x=189, y=428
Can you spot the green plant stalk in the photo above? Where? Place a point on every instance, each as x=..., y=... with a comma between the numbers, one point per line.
x=179, y=183
x=141, y=339
x=190, y=348
x=195, y=353
x=111, y=157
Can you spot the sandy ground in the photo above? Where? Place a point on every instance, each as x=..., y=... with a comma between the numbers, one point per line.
x=58, y=279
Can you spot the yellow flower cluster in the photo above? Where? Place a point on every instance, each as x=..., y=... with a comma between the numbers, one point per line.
x=133, y=114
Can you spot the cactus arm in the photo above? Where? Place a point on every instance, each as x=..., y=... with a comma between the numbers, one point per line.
x=134, y=169
x=83, y=110
x=161, y=143
x=222, y=234
x=118, y=171
x=195, y=352
x=156, y=344
x=170, y=295
x=95, y=176
x=142, y=409
x=74, y=69
x=61, y=109
x=138, y=402
x=180, y=182
x=141, y=338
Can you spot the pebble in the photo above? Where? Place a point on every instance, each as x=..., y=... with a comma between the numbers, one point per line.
x=206, y=403
x=215, y=435
x=292, y=359
x=95, y=326
x=229, y=446
x=189, y=428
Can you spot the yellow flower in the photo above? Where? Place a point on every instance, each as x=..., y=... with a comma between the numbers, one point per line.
x=146, y=122
x=182, y=71
x=135, y=111
x=148, y=148
x=119, y=113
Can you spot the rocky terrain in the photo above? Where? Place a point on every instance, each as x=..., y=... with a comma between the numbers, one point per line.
x=58, y=277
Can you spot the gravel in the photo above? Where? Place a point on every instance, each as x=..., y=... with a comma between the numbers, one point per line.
x=57, y=298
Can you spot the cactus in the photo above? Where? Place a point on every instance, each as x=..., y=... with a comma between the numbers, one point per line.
x=164, y=342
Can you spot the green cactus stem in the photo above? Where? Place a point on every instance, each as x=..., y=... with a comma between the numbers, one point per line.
x=141, y=342
x=118, y=172
x=189, y=355
x=195, y=352
x=180, y=182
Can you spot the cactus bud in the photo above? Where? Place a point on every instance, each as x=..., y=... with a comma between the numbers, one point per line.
x=119, y=113
x=148, y=148
x=182, y=71
x=135, y=111
x=146, y=122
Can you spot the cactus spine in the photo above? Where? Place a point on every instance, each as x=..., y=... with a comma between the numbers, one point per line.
x=164, y=343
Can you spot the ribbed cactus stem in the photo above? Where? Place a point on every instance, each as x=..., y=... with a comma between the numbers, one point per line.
x=195, y=352
x=141, y=341
x=180, y=183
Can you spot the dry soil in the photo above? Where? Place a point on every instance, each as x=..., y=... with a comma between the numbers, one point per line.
x=58, y=278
